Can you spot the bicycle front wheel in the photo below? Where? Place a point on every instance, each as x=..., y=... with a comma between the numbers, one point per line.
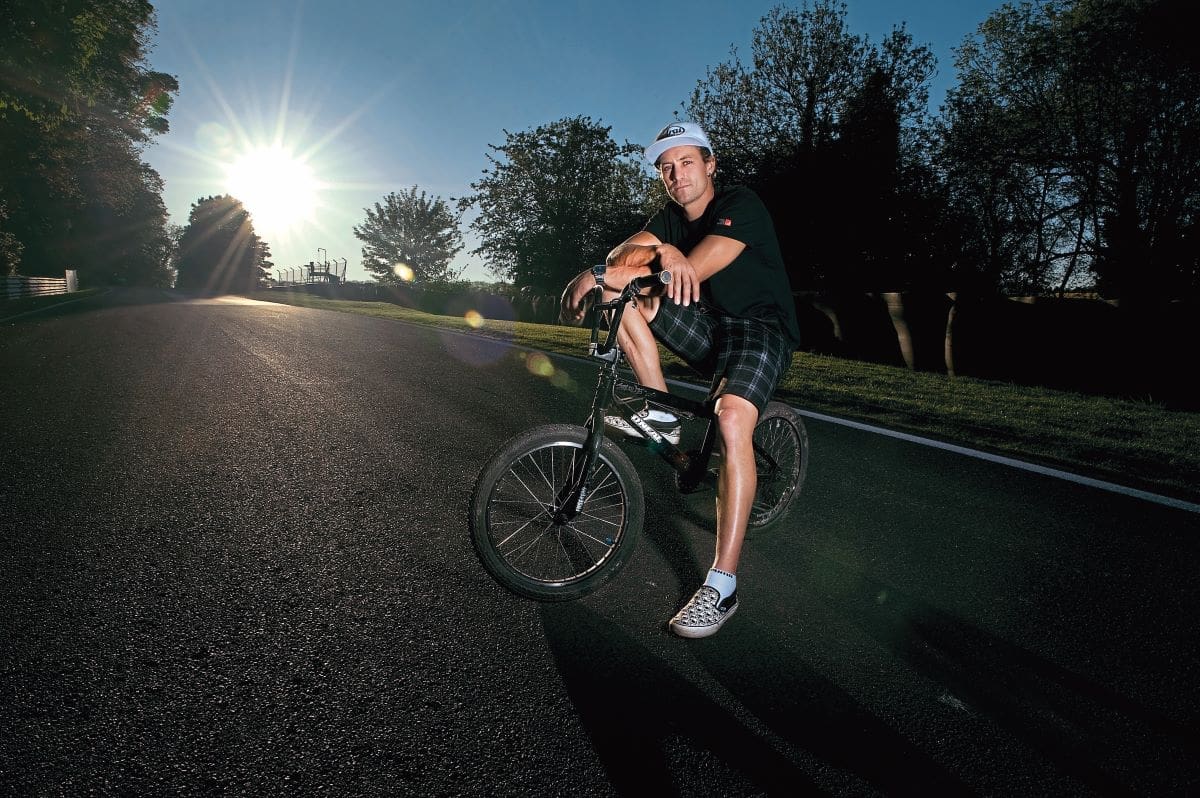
x=519, y=533
x=781, y=462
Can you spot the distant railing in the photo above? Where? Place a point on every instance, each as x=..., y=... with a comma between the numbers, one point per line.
x=18, y=287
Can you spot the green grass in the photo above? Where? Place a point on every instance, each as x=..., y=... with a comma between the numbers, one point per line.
x=1134, y=443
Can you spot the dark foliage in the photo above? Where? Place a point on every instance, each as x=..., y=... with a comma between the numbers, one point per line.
x=219, y=251
x=555, y=200
x=77, y=102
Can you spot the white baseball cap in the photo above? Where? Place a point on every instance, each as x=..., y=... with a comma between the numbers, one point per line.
x=677, y=134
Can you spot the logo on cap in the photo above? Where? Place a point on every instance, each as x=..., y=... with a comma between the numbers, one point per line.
x=673, y=130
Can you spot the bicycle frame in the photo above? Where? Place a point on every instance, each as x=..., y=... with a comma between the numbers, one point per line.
x=692, y=466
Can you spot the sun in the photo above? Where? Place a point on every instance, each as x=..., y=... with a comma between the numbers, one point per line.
x=276, y=187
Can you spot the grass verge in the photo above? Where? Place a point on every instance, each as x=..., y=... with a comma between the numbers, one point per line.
x=1138, y=444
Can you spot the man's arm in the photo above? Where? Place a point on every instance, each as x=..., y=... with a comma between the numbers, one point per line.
x=629, y=259
x=710, y=256
x=632, y=258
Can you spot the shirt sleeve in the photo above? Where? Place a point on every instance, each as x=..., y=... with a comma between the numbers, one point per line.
x=737, y=215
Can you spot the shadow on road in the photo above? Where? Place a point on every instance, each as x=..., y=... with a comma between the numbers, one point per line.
x=640, y=712
x=817, y=716
x=1084, y=729
x=24, y=312
x=649, y=725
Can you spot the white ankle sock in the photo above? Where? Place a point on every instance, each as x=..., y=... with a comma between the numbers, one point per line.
x=660, y=415
x=725, y=583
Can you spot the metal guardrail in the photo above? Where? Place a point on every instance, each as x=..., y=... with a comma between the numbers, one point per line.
x=18, y=287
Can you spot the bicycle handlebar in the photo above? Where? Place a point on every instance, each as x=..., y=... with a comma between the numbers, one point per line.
x=638, y=284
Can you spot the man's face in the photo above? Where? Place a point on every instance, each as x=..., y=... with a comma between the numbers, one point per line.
x=685, y=173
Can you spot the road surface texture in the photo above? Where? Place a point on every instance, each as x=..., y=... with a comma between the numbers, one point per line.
x=235, y=562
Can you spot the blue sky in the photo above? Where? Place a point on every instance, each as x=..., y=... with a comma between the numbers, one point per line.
x=378, y=96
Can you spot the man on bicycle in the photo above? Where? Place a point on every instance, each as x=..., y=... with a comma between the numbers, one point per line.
x=728, y=311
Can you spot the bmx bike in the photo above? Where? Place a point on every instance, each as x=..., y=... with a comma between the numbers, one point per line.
x=558, y=509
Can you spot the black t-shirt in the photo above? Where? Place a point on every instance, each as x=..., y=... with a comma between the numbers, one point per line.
x=755, y=285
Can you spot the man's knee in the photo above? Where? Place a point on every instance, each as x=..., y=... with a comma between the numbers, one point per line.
x=647, y=308
x=736, y=418
x=635, y=324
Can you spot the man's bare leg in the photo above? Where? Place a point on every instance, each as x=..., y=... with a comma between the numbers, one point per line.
x=736, y=418
x=738, y=479
x=639, y=346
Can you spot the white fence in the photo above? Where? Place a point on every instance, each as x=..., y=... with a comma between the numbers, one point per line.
x=17, y=287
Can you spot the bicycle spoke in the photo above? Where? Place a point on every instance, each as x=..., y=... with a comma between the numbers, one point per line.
x=501, y=543
x=518, y=552
x=550, y=552
x=528, y=489
x=536, y=545
x=589, y=536
x=777, y=458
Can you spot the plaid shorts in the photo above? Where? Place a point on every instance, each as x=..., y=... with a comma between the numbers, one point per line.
x=751, y=354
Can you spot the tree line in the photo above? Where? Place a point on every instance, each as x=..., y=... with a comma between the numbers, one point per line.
x=78, y=102
x=1067, y=157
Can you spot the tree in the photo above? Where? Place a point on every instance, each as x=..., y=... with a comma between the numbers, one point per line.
x=828, y=128
x=555, y=200
x=1144, y=155
x=77, y=103
x=806, y=69
x=414, y=231
x=1073, y=140
x=80, y=59
x=219, y=251
x=118, y=227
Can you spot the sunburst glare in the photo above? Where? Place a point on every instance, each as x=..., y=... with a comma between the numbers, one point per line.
x=276, y=187
x=290, y=159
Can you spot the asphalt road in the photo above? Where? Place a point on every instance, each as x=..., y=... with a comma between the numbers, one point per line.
x=234, y=562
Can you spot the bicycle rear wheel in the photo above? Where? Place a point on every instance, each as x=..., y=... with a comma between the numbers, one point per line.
x=781, y=461
x=523, y=540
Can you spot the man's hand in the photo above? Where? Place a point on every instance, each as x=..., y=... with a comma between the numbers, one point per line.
x=575, y=296
x=684, y=288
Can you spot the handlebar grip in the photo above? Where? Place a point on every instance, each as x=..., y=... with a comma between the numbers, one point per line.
x=650, y=281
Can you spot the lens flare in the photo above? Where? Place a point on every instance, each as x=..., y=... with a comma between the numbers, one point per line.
x=539, y=365
x=474, y=319
x=562, y=380
x=403, y=271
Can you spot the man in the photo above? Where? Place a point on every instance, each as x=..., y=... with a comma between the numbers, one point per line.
x=728, y=311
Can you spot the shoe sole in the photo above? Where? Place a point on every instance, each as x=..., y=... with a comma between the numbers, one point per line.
x=697, y=632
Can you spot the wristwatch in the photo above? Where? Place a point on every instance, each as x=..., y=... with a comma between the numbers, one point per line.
x=598, y=272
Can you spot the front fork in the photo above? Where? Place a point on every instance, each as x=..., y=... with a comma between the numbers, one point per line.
x=574, y=493
x=692, y=467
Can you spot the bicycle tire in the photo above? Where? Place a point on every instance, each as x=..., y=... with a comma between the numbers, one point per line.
x=513, y=530
x=781, y=461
